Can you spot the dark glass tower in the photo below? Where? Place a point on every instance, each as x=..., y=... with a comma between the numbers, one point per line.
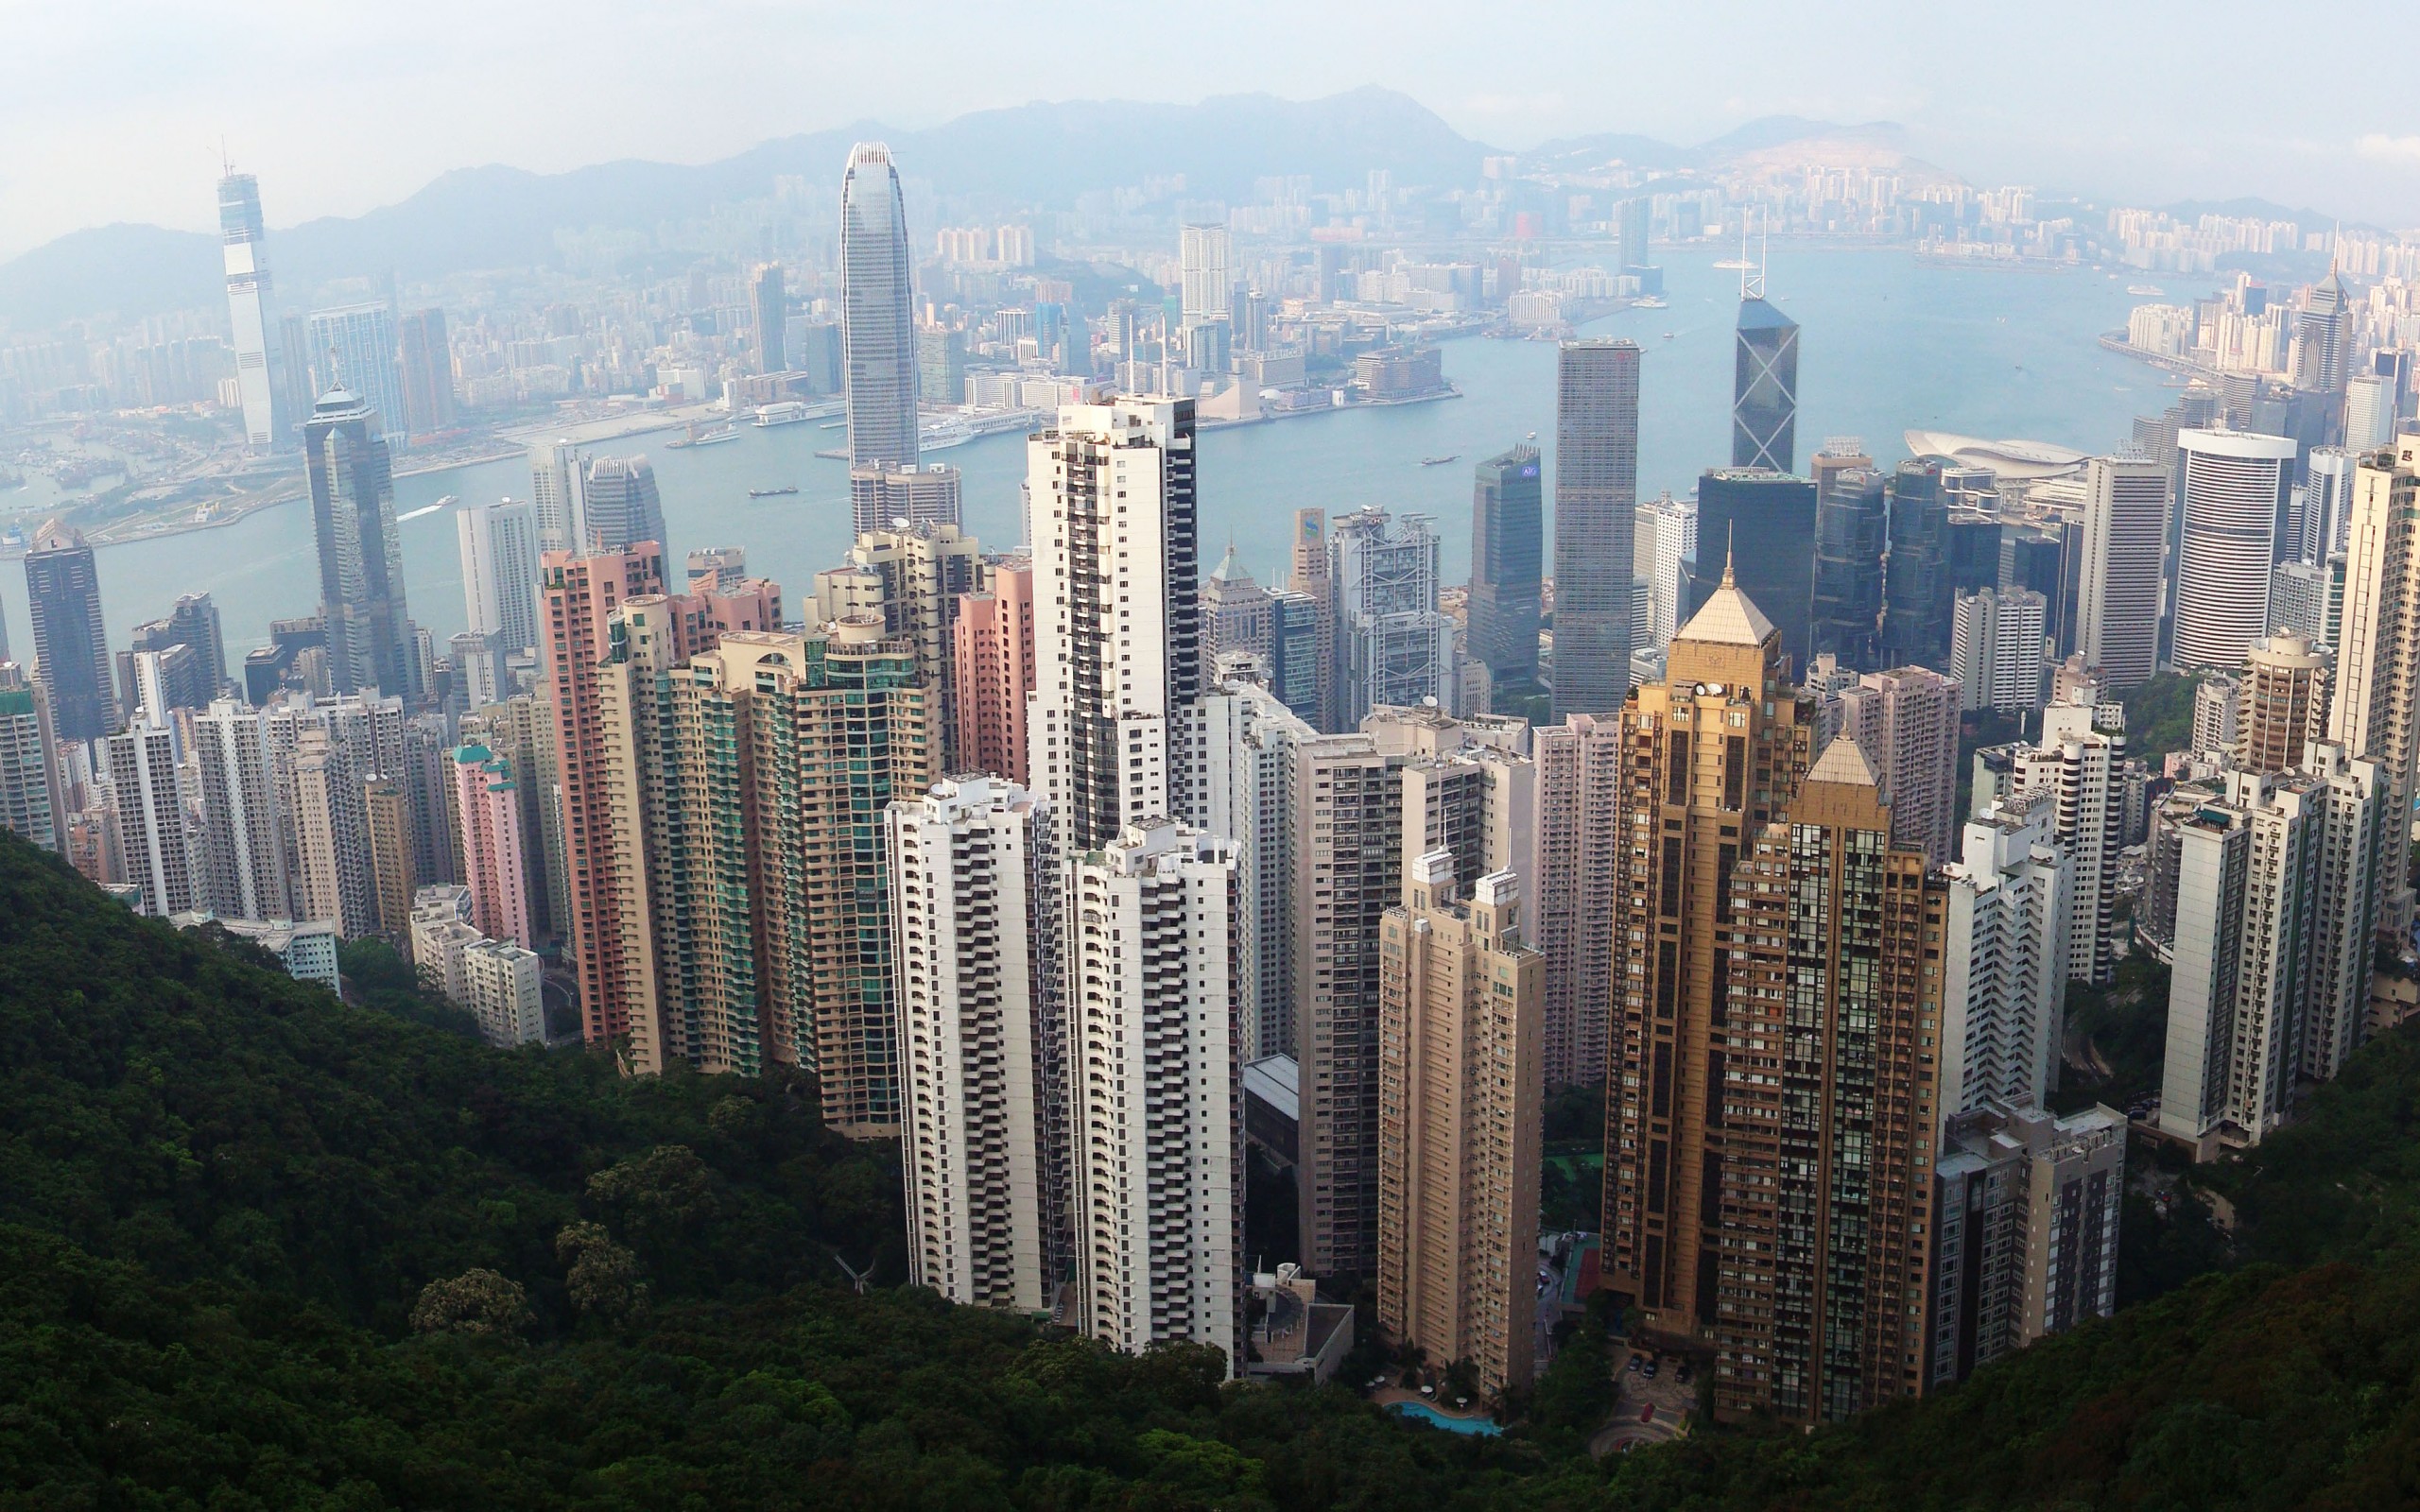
x=1764, y=405
x=1973, y=552
x=70, y=647
x=361, y=562
x=1508, y=548
x=1852, y=525
x=877, y=324
x=1596, y=511
x=1916, y=594
x=1763, y=523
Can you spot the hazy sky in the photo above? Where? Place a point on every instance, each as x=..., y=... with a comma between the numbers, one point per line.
x=113, y=110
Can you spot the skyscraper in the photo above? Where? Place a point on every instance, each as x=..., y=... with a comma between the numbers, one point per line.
x=354, y=349
x=877, y=323
x=556, y=473
x=241, y=236
x=242, y=851
x=1996, y=649
x=1596, y=503
x=983, y=1121
x=2328, y=499
x=193, y=622
x=426, y=364
x=2080, y=756
x=1249, y=744
x=2283, y=703
x=2122, y=578
x=361, y=561
x=914, y=582
x=2369, y=412
x=1852, y=528
x=500, y=550
x=141, y=761
x=992, y=672
x=2004, y=957
x=2319, y=332
x=1460, y=1103
x=494, y=869
x=1573, y=903
x=32, y=803
x=1764, y=389
x=1666, y=545
x=620, y=505
x=2237, y=489
x=387, y=820
x=1235, y=614
x=881, y=495
x=71, y=648
x=1508, y=548
x=1394, y=645
x=1308, y=574
x=2376, y=698
x=1916, y=594
x=1757, y=528
x=768, y=306
x=1906, y=722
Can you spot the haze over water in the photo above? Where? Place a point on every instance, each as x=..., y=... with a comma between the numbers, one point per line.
x=1887, y=343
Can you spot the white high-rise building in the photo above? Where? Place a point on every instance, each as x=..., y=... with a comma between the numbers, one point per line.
x=2121, y=580
x=242, y=850
x=353, y=348
x=33, y=801
x=2369, y=412
x=2327, y=503
x=503, y=987
x=2377, y=693
x=241, y=236
x=2236, y=485
x=1249, y=740
x=1205, y=258
x=1117, y=616
x=1394, y=644
x=983, y=1117
x=1157, y=1091
x=1996, y=649
x=2081, y=759
x=1666, y=536
x=557, y=475
x=500, y=547
x=142, y=762
x=2005, y=957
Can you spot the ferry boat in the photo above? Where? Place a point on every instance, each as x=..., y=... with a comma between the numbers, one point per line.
x=943, y=435
x=2145, y=291
x=782, y=412
x=773, y=493
x=1650, y=301
x=1439, y=462
x=699, y=434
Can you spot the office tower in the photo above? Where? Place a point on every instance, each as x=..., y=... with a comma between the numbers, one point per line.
x=1724, y=673
x=1299, y=652
x=488, y=802
x=193, y=622
x=352, y=352
x=499, y=544
x=1508, y=537
x=1764, y=387
x=1632, y=220
x=1571, y=914
x=1971, y=550
x=1395, y=646
x=2369, y=412
x=1596, y=505
x=1308, y=574
x=2027, y=1207
x=2321, y=328
x=770, y=307
x=71, y=649
x=620, y=505
x=578, y=594
x=2328, y=499
x=387, y=820
x=240, y=850
x=1758, y=528
x=1906, y=722
x=141, y=761
x=1236, y=615
x=1824, y=1160
x=882, y=494
x=427, y=365
x=877, y=300
x=556, y=471
x=505, y=988
x=2377, y=696
x=941, y=363
x=2121, y=580
x=33, y=804
x=164, y=680
x=290, y=390
x=2283, y=704
x=2232, y=509
x=1153, y=1076
x=1117, y=615
x=1852, y=528
x=1665, y=543
x=1461, y=1103
x=2004, y=957
x=1995, y=651
x=241, y=236
x=1248, y=740
x=983, y=1136
x=1917, y=598
x=2275, y=886
x=361, y=560
x=2298, y=600
x=992, y=671
x=2043, y=561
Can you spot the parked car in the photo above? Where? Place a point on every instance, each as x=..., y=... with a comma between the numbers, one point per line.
x=1635, y=1362
x=1646, y=1413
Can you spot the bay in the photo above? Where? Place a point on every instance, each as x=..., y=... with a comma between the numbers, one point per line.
x=1887, y=343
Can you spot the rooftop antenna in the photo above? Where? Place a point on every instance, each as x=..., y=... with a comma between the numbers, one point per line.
x=1744, y=295
x=1730, y=528
x=1752, y=287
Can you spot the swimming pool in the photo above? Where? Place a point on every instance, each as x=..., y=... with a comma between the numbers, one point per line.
x=1422, y=1411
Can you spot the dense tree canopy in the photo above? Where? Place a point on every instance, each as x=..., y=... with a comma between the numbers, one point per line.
x=259, y=1249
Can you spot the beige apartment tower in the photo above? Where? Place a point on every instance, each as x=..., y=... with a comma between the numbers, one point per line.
x=1460, y=1090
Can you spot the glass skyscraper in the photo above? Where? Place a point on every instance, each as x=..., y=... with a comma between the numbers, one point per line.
x=1596, y=509
x=353, y=348
x=240, y=233
x=1916, y=592
x=1508, y=546
x=1763, y=523
x=1764, y=407
x=877, y=323
x=361, y=561
x=71, y=648
x=1851, y=526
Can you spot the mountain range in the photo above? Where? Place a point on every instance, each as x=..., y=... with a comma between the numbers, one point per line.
x=498, y=218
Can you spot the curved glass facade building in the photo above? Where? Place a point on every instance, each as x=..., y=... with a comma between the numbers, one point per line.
x=877, y=321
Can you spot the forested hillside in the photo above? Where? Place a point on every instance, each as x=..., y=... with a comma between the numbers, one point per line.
x=258, y=1249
